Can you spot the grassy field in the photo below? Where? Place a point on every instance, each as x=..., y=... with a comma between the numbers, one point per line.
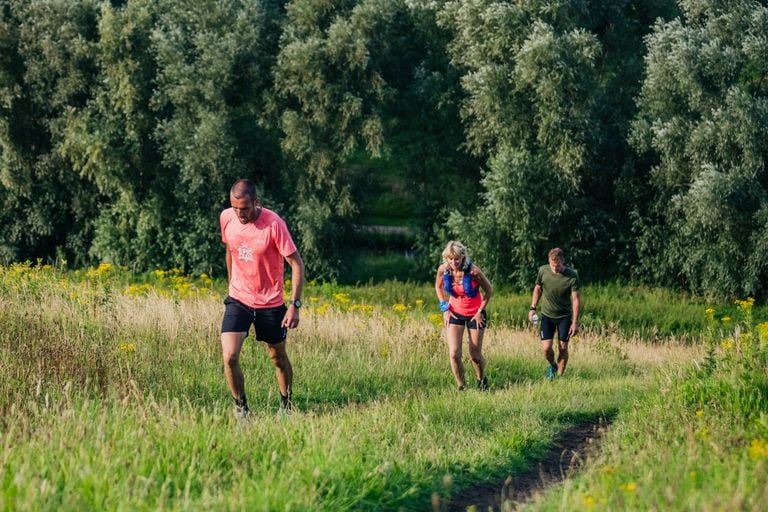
x=112, y=397
x=697, y=441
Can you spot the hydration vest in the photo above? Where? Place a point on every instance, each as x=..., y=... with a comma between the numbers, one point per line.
x=466, y=282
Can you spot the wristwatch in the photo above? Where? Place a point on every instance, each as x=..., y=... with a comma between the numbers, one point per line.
x=296, y=302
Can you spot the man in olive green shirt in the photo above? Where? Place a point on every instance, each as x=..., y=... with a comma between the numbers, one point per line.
x=558, y=288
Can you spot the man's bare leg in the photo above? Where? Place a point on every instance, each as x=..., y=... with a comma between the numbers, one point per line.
x=283, y=371
x=562, y=357
x=231, y=344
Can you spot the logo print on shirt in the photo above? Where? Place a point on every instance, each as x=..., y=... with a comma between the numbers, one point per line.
x=245, y=253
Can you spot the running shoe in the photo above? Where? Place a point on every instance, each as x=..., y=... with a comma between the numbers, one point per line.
x=551, y=372
x=482, y=384
x=242, y=413
x=241, y=408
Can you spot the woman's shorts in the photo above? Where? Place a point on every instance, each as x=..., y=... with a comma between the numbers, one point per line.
x=467, y=320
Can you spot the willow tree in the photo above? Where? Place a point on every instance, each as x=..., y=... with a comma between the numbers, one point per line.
x=530, y=74
x=214, y=59
x=47, y=70
x=703, y=116
x=329, y=90
x=175, y=120
x=549, y=88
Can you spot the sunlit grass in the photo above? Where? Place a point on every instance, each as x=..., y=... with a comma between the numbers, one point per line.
x=697, y=442
x=111, y=399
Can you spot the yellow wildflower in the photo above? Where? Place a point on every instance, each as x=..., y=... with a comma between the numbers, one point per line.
x=710, y=312
x=437, y=319
x=628, y=487
x=726, y=344
x=419, y=302
x=725, y=319
x=342, y=297
x=322, y=309
x=365, y=308
x=102, y=270
x=399, y=307
x=758, y=449
x=699, y=413
x=745, y=339
x=762, y=331
x=745, y=305
x=137, y=289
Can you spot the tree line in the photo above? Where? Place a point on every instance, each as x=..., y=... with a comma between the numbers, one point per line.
x=632, y=133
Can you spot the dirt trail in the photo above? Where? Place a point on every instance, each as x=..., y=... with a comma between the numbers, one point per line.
x=561, y=461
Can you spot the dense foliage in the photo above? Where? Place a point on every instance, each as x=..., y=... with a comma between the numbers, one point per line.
x=703, y=114
x=632, y=134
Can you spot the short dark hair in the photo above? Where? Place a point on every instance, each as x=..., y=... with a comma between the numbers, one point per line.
x=243, y=187
x=556, y=254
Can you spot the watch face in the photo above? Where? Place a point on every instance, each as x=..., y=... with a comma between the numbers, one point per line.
x=297, y=303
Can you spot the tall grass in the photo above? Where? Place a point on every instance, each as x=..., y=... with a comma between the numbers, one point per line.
x=112, y=397
x=650, y=314
x=698, y=442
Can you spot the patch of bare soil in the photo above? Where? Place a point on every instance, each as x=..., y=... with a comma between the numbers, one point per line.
x=563, y=460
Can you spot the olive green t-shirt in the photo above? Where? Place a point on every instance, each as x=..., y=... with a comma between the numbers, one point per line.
x=556, y=291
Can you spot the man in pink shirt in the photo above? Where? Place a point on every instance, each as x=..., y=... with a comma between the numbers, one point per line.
x=257, y=242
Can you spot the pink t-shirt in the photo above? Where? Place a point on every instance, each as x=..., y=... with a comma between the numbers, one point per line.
x=257, y=249
x=463, y=305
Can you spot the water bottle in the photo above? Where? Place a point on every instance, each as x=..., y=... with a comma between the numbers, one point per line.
x=535, y=319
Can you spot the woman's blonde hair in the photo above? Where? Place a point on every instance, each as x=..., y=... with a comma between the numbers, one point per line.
x=456, y=248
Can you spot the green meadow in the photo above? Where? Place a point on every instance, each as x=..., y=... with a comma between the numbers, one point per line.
x=112, y=397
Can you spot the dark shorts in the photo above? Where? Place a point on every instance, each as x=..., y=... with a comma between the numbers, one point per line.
x=266, y=321
x=467, y=320
x=551, y=325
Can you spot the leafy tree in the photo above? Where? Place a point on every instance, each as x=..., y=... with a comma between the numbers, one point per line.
x=175, y=122
x=110, y=140
x=424, y=127
x=530, y=73
x=47, y=62
x=214, y=61
x=703, y=115
x=549, y=87
x=357, y=80
x=329, y=90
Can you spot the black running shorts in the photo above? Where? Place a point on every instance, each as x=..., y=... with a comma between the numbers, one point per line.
x=551, y=325
x=266, y=321
x=467, y=320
